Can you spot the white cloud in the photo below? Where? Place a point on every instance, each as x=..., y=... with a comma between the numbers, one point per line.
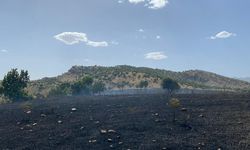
x=141, y=30
x=71, y=38
x=4, y=51
x=97, y=44
x=158, y=37
x=136, y=1
x=155, y=55
x=152, y=4
x=157, y=4
x=222, y=35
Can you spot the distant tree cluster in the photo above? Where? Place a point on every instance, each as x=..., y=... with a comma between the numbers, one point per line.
x=14, y=84
x=84, y=86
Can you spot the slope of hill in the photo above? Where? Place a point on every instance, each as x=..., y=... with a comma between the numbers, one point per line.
x=247, y=79
x=130, y=77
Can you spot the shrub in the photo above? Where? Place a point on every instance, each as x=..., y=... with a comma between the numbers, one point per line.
x=174, y=103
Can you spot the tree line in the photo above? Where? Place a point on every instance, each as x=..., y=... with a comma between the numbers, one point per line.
x=14, y=84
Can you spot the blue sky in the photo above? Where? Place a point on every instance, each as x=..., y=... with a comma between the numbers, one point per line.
x=47, y=37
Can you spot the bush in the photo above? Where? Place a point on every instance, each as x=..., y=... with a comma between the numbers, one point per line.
x=174, y=103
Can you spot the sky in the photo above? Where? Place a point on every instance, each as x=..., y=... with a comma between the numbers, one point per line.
x=47, y=37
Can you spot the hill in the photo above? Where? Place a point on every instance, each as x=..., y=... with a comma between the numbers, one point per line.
x=124, y=76
x=247, y=79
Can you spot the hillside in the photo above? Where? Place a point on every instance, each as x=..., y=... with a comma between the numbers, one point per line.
x=130, y=77
x=247, y=79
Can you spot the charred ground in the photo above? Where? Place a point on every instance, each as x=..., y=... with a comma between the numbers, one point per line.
x=127, y=122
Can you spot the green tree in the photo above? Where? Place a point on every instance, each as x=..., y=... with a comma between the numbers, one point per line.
x=61, y=90
x=98, y=87
x=143, y=84
x=83, y=86
x=170, y=85
x=13, y=84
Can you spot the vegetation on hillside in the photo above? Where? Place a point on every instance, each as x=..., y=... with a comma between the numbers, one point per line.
x=123, y=77
x=84, y=86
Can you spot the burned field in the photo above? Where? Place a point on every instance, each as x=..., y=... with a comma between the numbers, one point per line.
x=127, y=122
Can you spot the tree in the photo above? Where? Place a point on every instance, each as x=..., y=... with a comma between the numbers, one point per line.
x=170, y=85
x=143, y=84
x=13, y=84
x=61, y=90
x=83, y=86
x=1, y=89
x=98, y=87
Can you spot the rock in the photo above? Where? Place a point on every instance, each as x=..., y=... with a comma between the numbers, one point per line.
x=111, y=131
x=18, y=123
x=164, y=148
x=219, y=148
x=154, y=141
x=92, y=141
x=111, y=146
x=28, y=112
x=82, y=128
x=73, y=109
x=34, y=124
x=59, y=121
x=201, y=115
x=110, y=140
x=120, y=143
x=97, y=122
x=103, y=131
